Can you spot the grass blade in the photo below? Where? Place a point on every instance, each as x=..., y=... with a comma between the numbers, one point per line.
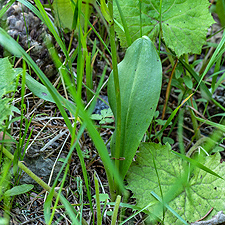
x=196, y=163
x=169, y=208
x=116, y=209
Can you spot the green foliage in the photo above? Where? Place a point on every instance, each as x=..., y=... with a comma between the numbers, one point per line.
x=5, y=110
x=183, y=24
x=140, y=77
x=65, y=12
x=220, y=10
x=17, y=190
x=38, y=89
x=104, y=117
x=15, y=48
x=102, y=197
x=105, y=12
x=8, y=84
x=8, y=77
x=192, y=199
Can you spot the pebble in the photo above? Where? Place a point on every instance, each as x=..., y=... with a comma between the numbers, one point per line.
x=100, y=105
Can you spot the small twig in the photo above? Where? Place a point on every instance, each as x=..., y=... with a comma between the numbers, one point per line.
x=197, y=113
x=168, y=89
x=33, y=219
x=205, y=215
x=22, y=57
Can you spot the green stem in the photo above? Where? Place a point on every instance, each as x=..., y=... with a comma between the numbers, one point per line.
x=195, y=125
x=127, y=34
x=160, y=24
x=116, y=209
x=193, y=119
x=118, y=98
x=99, y=217
x=140, y=3
x=29, y=172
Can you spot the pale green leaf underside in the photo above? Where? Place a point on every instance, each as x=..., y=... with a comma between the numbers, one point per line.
x=140, y=78
x=17, y=190
x=205, y=190
x=184, y=22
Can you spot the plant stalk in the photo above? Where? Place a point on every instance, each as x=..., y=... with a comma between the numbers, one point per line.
x=116, y=209
x=118, y=100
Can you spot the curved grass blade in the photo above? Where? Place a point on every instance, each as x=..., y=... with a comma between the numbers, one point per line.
x=127, y=33
x=169, y=208
x=196, y=163
x=5, y=8
x=172, y=116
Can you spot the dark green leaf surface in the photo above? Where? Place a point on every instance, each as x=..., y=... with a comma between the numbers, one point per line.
x=184, y=23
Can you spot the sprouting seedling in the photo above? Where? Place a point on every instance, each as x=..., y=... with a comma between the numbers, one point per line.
x=105, y=116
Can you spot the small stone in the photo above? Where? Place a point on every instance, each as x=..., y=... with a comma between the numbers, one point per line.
x=11, y=21
x=19, y=25
x=100, y=105
x=49, y=71
x=39, y=63
x=17, y=9
x=13, y=33
x=42, y=168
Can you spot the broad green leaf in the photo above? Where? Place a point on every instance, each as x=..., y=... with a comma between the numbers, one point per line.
x=102, y=197
x=188, y=82
x=64, y=11
x=192, y=200
x=184, y=23
x=169, y=208
x=18, y=190
x=4, y=220
x=96, y=117
x=140, y=78
x=169, y=140
x=196, y=163
x=106, y=120
x=42, y=92
x=38, y=89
